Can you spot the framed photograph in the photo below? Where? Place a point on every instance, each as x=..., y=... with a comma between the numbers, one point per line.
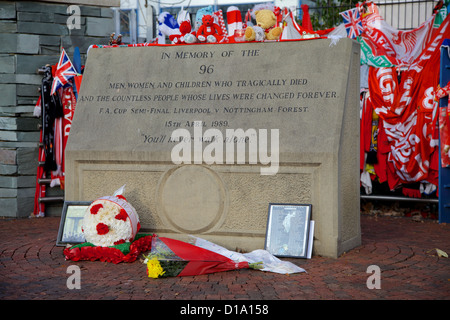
x=288, y=228
x=71, y=222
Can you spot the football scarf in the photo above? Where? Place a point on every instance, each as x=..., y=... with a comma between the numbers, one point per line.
x=39, y=207
x=69, y=102
x=444, y=131
x=50, y=109
x=234, y=19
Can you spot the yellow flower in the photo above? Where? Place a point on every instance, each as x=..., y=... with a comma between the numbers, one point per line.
x=154, y=269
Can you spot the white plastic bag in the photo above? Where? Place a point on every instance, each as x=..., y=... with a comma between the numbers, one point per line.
x=270, y=262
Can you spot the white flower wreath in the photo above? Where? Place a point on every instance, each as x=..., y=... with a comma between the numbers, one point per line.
x=110, y=221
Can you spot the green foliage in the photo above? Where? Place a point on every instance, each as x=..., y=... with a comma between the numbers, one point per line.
x=326, y=13
x=172, y=268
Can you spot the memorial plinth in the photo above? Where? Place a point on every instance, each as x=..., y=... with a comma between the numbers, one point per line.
x=206, y=136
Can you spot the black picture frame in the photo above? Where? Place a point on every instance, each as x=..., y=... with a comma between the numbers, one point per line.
x=288, y=228
x=71, y=220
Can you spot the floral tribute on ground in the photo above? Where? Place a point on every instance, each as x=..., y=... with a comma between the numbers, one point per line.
x=125, y=252
x=110, y=221
x=110, y=227
x=175, y=258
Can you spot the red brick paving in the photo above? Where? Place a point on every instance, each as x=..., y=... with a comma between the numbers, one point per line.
x=32, y=267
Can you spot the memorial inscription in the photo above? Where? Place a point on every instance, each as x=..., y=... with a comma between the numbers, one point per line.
x=237, y=98
x=181, y=103
x=243, y=124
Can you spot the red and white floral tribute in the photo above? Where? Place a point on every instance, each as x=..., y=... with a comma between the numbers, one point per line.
x=110, y=221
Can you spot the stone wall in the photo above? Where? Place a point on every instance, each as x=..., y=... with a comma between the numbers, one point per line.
x=32, y=34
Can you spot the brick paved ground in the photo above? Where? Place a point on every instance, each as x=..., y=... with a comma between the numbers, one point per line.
x=32, y=267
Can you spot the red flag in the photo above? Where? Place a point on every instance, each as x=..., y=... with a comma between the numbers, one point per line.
x=403, y=47
x=410, y=115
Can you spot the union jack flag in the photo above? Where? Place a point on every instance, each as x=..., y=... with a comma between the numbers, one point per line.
x=352, y=22
x=64, y=72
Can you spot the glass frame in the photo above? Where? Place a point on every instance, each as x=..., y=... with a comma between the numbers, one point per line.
x=287, y=231
x=70, y=226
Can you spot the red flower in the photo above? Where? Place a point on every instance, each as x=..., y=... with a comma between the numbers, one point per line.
x=102, y=229
x=76, y=253
x=122, y=215
x=95, y=208
x=119, y=242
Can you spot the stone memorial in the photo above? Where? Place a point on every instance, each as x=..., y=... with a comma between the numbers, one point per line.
x=206, y=136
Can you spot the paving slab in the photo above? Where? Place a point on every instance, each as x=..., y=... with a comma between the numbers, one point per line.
x=32, y=267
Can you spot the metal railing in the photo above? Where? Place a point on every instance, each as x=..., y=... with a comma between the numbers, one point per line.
x=400, y=14
x=405, y=15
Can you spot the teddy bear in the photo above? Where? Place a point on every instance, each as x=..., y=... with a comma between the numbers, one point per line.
x=199, y=15
x=209, y=31
x=185, y=36
x=167, y=26
x=265, y=28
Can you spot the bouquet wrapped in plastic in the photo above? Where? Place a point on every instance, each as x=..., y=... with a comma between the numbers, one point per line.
x=175, y=258
x=267, y=261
